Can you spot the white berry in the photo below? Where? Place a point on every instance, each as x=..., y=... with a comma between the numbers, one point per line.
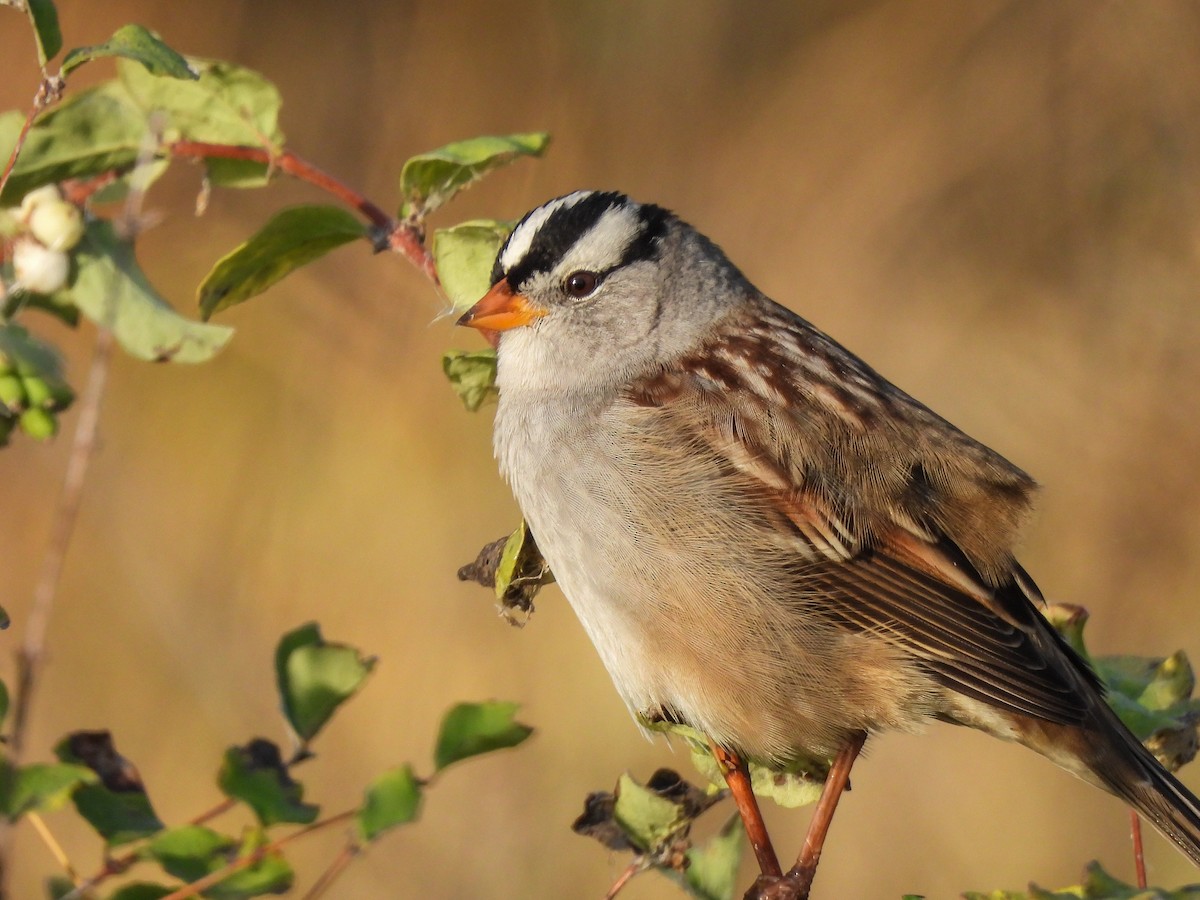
x=57, y=224
x=39, y=269
x=47, y=193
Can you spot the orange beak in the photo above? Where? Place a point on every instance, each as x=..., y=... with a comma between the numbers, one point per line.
x=501, y=309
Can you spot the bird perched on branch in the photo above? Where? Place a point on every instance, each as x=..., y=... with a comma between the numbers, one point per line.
x=765, y=539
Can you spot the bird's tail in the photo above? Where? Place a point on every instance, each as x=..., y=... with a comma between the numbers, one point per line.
x=1120, y=763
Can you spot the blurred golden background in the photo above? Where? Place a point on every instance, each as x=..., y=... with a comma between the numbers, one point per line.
x=997, y=204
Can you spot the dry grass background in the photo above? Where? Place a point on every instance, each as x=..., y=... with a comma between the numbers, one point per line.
x=996, y=203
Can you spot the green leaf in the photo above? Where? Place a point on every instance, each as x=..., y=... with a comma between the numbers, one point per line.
x=193, y=852
x=306, y=635
x=57, y=886
x=94, y=131
x=521, y=561
x=189, y=852
x=1152, y=696
x=647, y=818
x=293, y=238
x=1171, y=682
x=116, y=805
x=44, y=17
x=256, y=775
x=142, y=890
x=790, y=786
x=136, y=43
x=228, y=104
x=712, y=869
x=464, y=256
x=104, y=128
x=472, y=374
x=430, y=179
x=40, y=787
x=394, y=798
x=3, y=702
x=315, y=677
x=139, y=178
x=112, y=290
x=23, y=353
x=119, y=818
x=470, y=729
x=270, y=875
x=1097, y=885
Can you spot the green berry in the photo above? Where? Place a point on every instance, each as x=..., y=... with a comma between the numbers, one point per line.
x=12, y=392
x=37, y=392
x=48, y=393
x=39, y=424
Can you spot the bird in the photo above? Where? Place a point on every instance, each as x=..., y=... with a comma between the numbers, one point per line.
x=765, y=539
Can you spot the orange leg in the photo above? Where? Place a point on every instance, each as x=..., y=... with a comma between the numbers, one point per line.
x=805, y=869
x=737, y=776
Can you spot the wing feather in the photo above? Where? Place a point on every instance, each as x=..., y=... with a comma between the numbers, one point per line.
x=902, y=524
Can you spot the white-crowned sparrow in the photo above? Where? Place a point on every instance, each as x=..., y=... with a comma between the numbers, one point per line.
x=764, y=538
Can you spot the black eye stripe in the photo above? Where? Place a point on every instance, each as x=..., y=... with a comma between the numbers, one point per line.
x=645, y=245
x=566, y=225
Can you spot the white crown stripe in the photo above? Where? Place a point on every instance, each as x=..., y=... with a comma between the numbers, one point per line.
x=521, y=239
x=603, y=246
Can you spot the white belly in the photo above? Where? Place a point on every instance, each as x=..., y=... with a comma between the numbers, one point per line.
x=689, y=593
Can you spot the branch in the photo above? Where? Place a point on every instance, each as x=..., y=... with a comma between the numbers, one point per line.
x=83, y=447
x=334, y=870
x=49, y=92
x=244, y=862
x=1139, y=854
x=118, y=865
x=55, y=848
x=633, y=869
x=405, y=238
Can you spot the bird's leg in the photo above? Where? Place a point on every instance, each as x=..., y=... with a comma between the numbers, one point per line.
x=805, y=869
x=737, y=776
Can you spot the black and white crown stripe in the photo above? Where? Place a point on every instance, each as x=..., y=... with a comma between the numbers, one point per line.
x=618, y=232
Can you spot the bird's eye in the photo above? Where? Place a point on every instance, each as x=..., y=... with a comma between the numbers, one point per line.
x=581, y=284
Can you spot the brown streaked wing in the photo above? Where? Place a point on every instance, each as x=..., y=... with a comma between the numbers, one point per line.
x=919, y=592
x=963, y=643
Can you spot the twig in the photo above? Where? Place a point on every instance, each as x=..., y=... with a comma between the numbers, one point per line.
x=83, y=446
x=52, y=843
x=1139, y=855
x=634, y=868
x=404, y=238
x=31, y=653
x=244, y=862
x=118, y=865
x=49, y=92
x=334, y=870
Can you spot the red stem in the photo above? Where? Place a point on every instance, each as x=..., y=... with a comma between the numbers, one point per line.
x=1139, y=855
x=404, y=238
